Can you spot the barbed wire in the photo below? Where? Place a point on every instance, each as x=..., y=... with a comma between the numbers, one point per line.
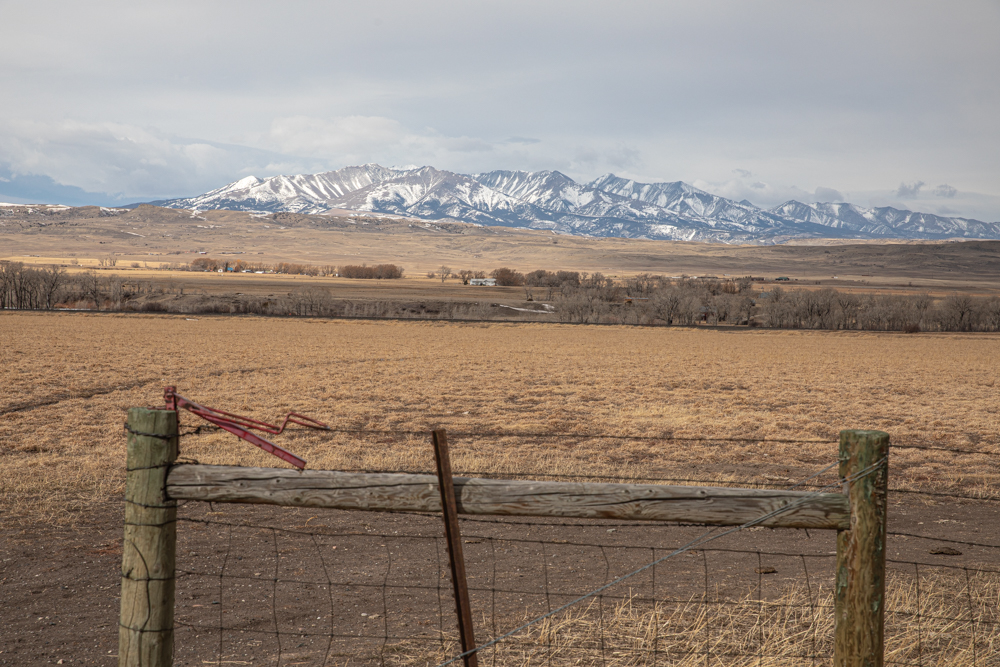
x=702, y=539
x=548, y=593
x=944, y=539
x=943, y=449
x=424, y=432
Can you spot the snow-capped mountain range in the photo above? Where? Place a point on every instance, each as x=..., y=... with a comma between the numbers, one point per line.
x=606, y=206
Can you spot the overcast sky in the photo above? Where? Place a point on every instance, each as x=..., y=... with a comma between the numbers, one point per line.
x=889, y=103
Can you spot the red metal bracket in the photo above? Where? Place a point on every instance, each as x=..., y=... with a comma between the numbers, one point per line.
x=240, y=426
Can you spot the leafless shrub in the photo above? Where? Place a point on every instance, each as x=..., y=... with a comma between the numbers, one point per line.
x=379, y=271
x=506, y=277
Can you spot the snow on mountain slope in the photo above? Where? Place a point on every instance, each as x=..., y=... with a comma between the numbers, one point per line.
x=560, y=194
x=550, y=190
x=886, y=221
x=432, y=194
x=689, y=202
x=607, y=206
x=303, y=193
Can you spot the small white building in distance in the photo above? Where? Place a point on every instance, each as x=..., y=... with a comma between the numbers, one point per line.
x=487, y=282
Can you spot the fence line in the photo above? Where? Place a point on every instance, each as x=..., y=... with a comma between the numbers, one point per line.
x=557, y=435
x=555, y=632
x=705, y=538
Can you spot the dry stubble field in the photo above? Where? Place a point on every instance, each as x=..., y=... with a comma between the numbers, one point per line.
x=69, y=378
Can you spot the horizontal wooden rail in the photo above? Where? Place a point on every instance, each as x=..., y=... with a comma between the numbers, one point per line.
x=420, y=493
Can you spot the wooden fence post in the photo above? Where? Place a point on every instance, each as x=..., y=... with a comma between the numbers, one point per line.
x=146, y=627
x=859, y=634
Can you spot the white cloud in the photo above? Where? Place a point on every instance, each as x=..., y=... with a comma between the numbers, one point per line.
x=765, y=195
x=341, y=141
x=131, y=163
x=805, y=93
x=910, y=191
x=110, y=157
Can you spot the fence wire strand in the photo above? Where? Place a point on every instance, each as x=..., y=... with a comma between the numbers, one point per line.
x=493, y=587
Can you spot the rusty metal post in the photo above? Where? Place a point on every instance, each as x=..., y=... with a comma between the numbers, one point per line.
x=449, y=510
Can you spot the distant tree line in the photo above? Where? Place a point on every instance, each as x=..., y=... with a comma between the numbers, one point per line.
x=645, y=299
x=507, y=277
x=23, y=287
x=655, y=300
x=379, y=271
x=212, y=264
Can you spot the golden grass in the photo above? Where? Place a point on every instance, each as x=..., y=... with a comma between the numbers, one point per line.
x=950, y=624
x=156, y=235
x=68, y=380
x=56, y=459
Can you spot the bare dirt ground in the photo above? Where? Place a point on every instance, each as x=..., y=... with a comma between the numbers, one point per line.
x=60, y=585
x=68, y=379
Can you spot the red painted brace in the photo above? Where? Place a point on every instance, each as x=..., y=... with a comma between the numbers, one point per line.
x=240, y=426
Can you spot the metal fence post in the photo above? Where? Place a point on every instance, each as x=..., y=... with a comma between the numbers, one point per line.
x=146, y=626
x=859, y=634
x=449, y=509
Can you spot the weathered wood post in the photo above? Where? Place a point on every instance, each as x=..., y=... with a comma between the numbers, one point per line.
x=146, y=627
x=859, y=634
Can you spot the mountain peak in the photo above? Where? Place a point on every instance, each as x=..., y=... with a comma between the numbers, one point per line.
x=246, y=182
x=607, y=206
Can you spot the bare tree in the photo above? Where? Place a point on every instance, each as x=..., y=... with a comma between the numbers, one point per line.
x=666, y=305
x=991, y=314
x=445, y=272
x=315, y=300
x=90, y=286
x=51, y=280
x=848, y=305
x=7, y=270
x=116, y=290
x=958, y=311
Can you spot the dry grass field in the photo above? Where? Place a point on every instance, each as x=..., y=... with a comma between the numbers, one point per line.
x=741, y=634
x=68, y=379
x=152, y=236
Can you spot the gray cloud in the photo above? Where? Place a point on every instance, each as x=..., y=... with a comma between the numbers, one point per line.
x=828, y=195
x=127, y=162
x=946, y=191
x=910, y=191
x=617, y=157
x=207, y=93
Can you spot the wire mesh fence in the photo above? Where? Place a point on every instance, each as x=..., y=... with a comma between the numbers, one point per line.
x=292, y=586
x=303, y=586
x=261, y=585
